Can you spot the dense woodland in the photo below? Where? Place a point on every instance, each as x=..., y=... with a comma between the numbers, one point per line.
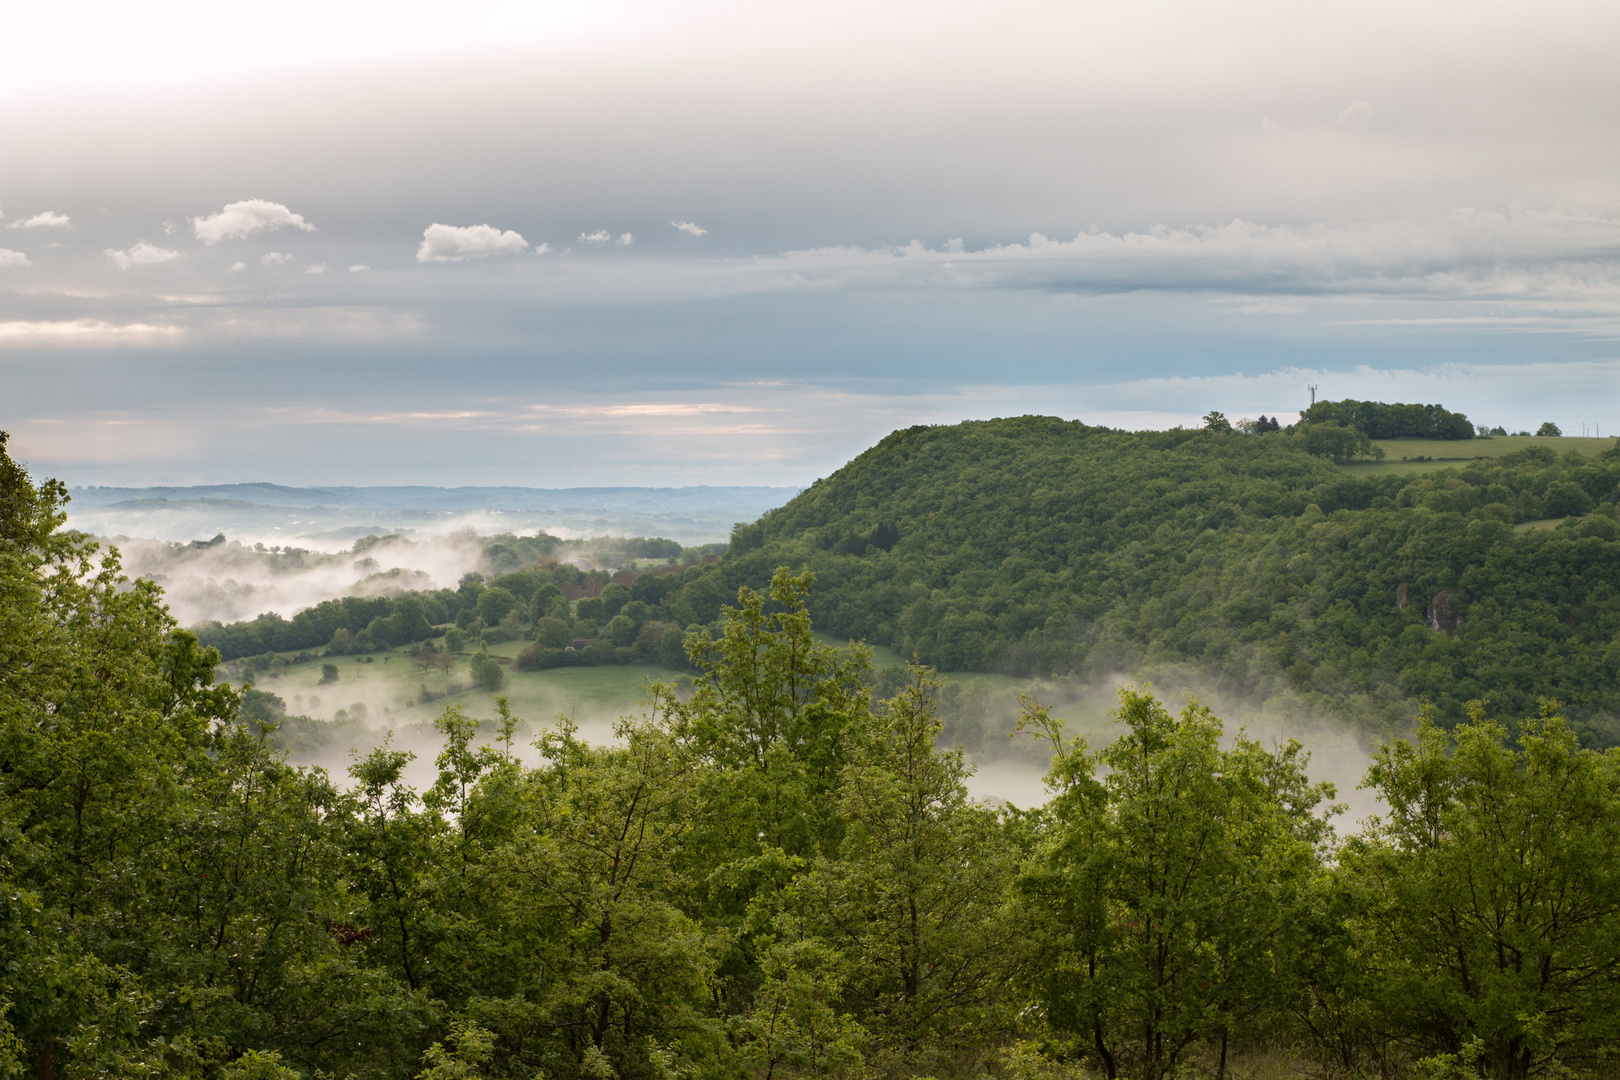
x=1035, y=545
x=779, y=875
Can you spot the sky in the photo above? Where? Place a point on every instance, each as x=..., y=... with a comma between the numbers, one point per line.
x=737, y=243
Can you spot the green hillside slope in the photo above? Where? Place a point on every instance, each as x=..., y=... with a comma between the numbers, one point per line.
x=1036, y=545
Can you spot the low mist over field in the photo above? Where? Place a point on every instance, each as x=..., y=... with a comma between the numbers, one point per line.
x=230, y=552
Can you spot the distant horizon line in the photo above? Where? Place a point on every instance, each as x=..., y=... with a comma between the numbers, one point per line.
x=427, y=487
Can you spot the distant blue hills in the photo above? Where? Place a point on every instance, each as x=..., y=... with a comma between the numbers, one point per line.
x=263, y=511
x=456, y=499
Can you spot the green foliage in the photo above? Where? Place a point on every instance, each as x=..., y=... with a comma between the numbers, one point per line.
x=1379, y=420
x=1169, y=888
x=1038, y=546
x=1549, y=429
x=1340, y=444
x=486, y=672
x=917, y=893
x=614, y=597
x=550, y=632
x=472, y=1049
x=621, y=630
x=1493, y=891
x=494, y=603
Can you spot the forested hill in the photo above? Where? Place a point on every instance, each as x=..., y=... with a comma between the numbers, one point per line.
x=1039, y=545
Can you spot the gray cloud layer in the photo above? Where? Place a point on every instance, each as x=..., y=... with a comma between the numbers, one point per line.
x=926, y=207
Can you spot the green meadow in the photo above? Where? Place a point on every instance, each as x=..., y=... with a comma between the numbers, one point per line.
x=1432, y=455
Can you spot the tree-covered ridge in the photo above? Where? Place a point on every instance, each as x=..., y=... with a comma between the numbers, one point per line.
x=1039, y=545
x=778, y=875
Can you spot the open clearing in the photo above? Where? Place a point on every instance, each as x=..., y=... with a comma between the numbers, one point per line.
x=1401, y=455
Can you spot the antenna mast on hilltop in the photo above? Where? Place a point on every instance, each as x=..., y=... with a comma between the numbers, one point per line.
x=1313, y=393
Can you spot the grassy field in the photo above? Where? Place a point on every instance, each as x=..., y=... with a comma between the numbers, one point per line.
x=389, y=687
x=1400, y=455
x=386, y=692
x=1539, y=523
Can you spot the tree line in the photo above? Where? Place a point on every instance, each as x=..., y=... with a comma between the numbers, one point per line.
x=780, y=874
x=547, y=602
x=1382, y=420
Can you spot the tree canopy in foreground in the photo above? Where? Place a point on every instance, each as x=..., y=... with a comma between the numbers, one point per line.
x=775, y=876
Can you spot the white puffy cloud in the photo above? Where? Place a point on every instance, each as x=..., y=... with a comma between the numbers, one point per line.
x=237, y=265
x=141, y=253
x=275, y=258
x=45, y=219
x=359, y=268
x=542, y=249
x=453, y=243
x=600, y=236
x=690, y=228
x=627, y=239
x=13, y=260
x=239, y=219
x=315, y=268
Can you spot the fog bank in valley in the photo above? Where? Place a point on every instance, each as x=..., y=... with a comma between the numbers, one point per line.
x=285, y=549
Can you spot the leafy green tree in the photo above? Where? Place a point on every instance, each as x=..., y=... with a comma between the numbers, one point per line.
x=390, y=857
x=552, y=633
x=494, y=604
x=621, y=630
x=916, y=896
x=1341, y=444
x=614, y=597
x=1549, y=428
x=796, y=1018
x=486, y=672
x=1168, y=889
x=771, y=713
x=469, y=1056
x=590, y=879
x=167, y=884
x=1491, y=893
x=1216, y=421
x=1565, y=498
